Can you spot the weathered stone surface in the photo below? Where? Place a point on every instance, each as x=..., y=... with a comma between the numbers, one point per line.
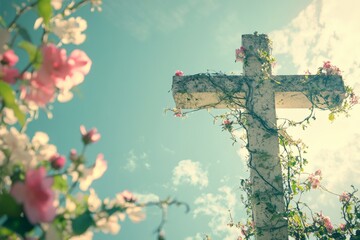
x=291, y=91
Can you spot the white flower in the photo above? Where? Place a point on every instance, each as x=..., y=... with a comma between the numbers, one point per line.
x=70, y=205
x=93, y=173
x=109, y=224
x=96, y=5
x=93, y=201
x=9, y=116
x=39, y=139
x=56, y=4
x=17, y=143
x=135, y=214
x=46, y=152
x=69, y=30
x=43, y=149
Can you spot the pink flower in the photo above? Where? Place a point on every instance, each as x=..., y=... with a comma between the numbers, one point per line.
x=342, y=226
x=36, y=196
x=318, y=172
x=38, y=91
x=9, y=58
x=79, y=65
x=9, y=74
x=240, y=54
x=128, y=196
x=73, y=155
x=57, y=161
x=90, y=136
x=354, y=99
x=327, y=65
x=177, y=112
x=227, y=122
x=329, y=69
x=54, y=67
x=344, y=197
x=58, y=72
x=179, y=73
x=314, y=179
x=328, y=225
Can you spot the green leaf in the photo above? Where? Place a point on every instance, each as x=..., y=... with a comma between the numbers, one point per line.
x=8, y=206
x=331, y=117
x=2, y=22
x=8, y=96
x=81, y=223
x=60, y=183
x=45, y=10
x=35, y=56
x=23, y=33
x=20, y=225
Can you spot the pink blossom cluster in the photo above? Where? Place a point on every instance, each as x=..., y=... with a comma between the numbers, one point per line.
x=344, y=197
x=179, y=73
x=240, y=54
x=327, y=223
x=354, y=99
x=227, y=122
x=227, y=125
x=7, y=71
x=314, y=179
x=58, y=73
x=329, y=69
x=325, y=220
x=342, y=226
x=36, y=196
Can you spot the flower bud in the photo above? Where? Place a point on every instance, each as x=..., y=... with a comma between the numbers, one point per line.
x=57, y=161
x=73, y=155
x=90, y=136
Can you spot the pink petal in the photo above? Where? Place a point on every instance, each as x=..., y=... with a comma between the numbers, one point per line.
x=18, y=191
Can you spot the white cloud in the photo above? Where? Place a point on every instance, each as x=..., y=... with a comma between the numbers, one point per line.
x=326, y=30
x=133, y=161
x=191, y=172
x=166, y=149
x=217, y=207
x=198, y=236
x=149, y=197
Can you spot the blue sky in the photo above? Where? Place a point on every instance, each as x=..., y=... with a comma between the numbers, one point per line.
x=136, y=47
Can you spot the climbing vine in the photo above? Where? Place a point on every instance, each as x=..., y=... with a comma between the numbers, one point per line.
x=303, y=222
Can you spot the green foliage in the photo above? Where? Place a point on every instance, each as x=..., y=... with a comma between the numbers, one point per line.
x=60, y=184
x=20, y=225
x=8, y=97
x=23, y=33
x=82, y=222
x=45, y=10
x=13, y=209
x=35, y=56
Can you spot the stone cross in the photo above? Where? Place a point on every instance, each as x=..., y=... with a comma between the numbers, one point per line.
x=260, y=92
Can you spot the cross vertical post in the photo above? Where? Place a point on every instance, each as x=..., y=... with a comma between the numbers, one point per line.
x=259, y=93
x=267, y=200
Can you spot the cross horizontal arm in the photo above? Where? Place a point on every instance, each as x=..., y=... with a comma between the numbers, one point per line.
x=291, y=91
